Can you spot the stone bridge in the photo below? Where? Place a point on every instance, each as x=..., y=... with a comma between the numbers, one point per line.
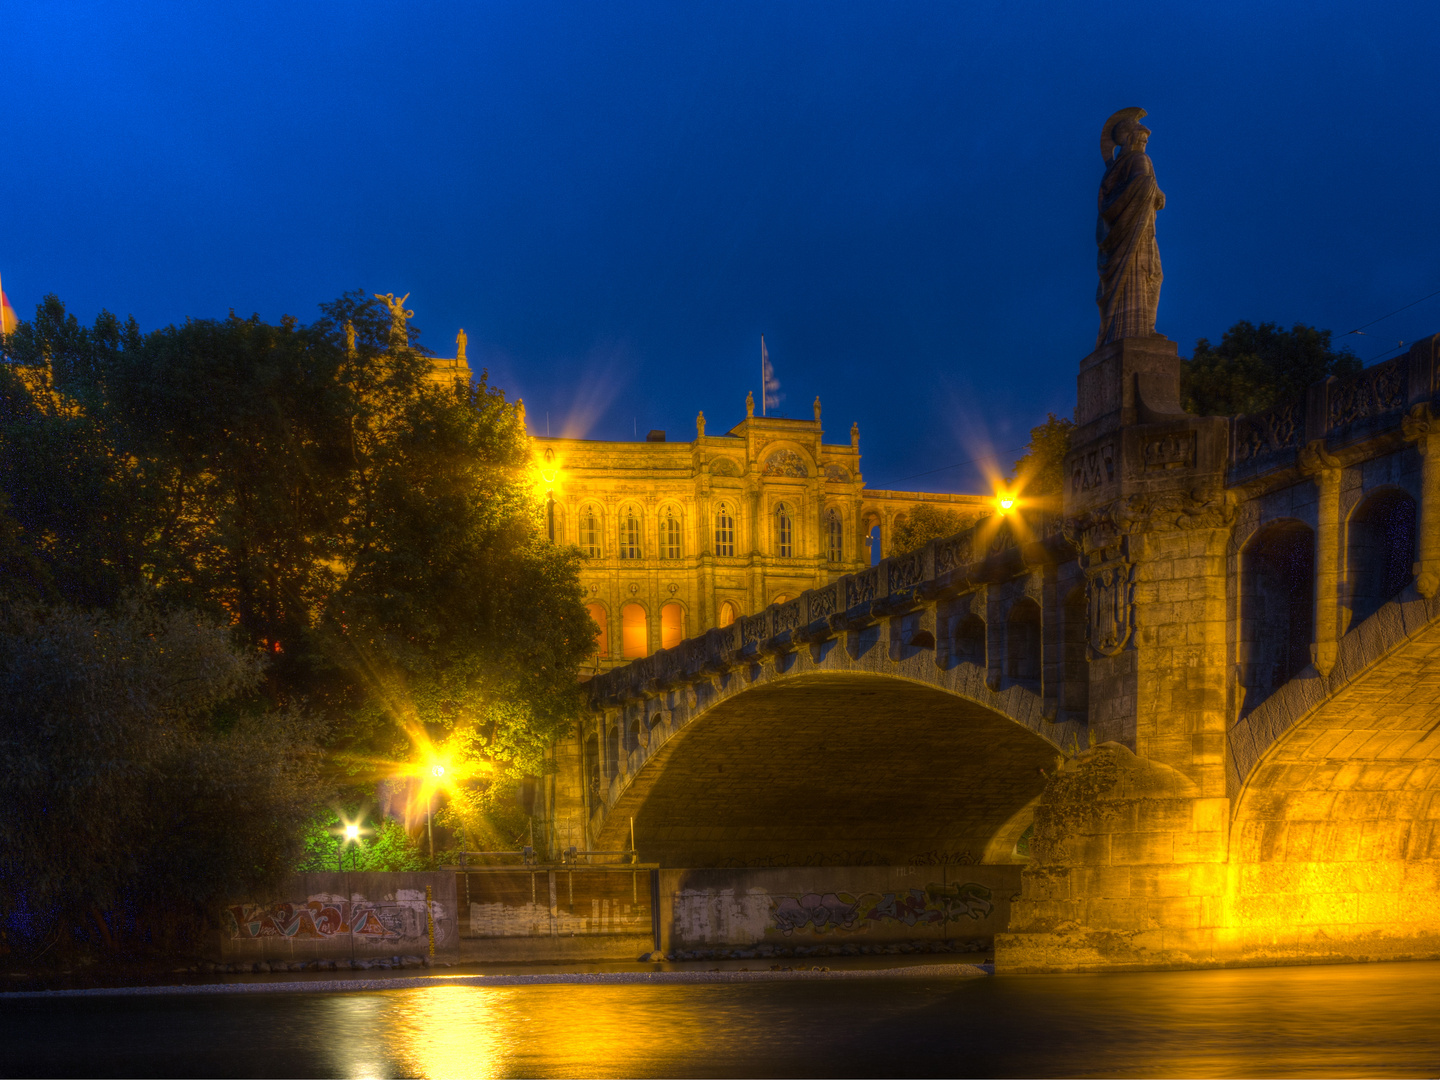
x=1196, y=703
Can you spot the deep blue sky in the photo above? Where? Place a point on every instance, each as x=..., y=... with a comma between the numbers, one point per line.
x=615, y=200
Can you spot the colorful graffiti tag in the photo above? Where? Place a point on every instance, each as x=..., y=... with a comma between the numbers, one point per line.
x=318, y=919
x=913, y=907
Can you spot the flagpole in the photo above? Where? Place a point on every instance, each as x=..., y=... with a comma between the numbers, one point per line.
x=764, y=393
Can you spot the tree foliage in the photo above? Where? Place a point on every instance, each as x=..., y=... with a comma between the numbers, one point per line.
x=1255, y=367
x=925, y=523
x=1040, y=471
x=142, y=778
x=372, y=533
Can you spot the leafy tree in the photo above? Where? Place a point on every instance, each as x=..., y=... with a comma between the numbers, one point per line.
x=1254, y=367
x=925, y=523
x=140, y=774
x=1040, y=472
x=373, y=532
x=383, y=845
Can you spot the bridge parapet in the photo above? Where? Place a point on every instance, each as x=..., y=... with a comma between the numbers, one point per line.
x=992, y=551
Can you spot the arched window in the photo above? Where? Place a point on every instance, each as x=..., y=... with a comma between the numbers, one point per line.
x=630, y=534
x=550, y=518
x=670, y=545
x=1075, y=684
x=602, y=635
x=634, y=635
x=835, y=534
x=590, y=532
x=1381, y=551
x=784, y=532
x=612, y=753
x=1277, y=608
x=724, y=531
x=728, y=614
x=1022, y=643
x=970, y=640
x=672, y=625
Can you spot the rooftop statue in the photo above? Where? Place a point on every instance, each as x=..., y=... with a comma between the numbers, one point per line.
x=460, y=342
x=399, y=336
x=1129, y=260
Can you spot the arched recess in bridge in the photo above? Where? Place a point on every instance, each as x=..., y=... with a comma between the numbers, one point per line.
x=836, y=769
x=1335, y=841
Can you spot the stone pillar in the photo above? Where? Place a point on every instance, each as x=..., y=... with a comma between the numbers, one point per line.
x=1422, y=428
x=1316, y=462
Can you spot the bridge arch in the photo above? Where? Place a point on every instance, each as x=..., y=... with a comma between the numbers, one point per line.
x=1334, y=846
x=829, y=767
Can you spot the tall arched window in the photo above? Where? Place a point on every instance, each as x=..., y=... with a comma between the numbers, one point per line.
x=835, y=534
x=590, y=532
x=1022, y=643
x=630, y=534
x=602, y=636
x=634, y=638
x=672, y=625
x=1381, y=549
x=784, y=532
x=728, y=614
x=670, y=545
x=724, y=531
x=1277, y=608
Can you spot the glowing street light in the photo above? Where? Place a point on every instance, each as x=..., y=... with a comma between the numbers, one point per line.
x=1005, y=501
x=349, y=835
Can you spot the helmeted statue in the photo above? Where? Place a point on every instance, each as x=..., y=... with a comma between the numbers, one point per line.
x=1129, y=260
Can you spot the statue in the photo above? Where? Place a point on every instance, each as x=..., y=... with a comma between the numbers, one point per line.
x=817, y=409
x=700, y=425
x=460, y=341
x=750, y=404
x=855, y=436
x=1129, y=260
x=399, y=337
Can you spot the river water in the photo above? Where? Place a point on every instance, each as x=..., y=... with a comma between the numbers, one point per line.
x=1362, y=1020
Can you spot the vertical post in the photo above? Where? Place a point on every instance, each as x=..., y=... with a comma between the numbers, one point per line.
x=430, y=921
x=1422, y=428
x=1324, y=467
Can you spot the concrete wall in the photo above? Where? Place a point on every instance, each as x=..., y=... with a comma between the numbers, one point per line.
x=804, y=906
x=337, y=916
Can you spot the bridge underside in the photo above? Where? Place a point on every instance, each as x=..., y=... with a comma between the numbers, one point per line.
x=836, y=769
x=1336, y=843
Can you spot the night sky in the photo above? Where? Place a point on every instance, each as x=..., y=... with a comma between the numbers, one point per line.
x=616, y=200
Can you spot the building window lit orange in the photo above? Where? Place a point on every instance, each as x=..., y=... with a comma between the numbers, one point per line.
x=670, y=545
x=836, y=532
x=634, y=635
x=590, y=532
x=672, y=625
x=630, y=536
x=602, y=638
x=724, y=532
x=728, y=614
x=784, y=532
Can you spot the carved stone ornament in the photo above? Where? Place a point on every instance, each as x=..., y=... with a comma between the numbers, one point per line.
x=837, y=473
x=723, y=466
x=786, y=463
x=1111, y=589
x=1419, y=423
x=1315, y=460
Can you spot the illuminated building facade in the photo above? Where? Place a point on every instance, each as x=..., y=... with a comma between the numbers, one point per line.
x=681, y=537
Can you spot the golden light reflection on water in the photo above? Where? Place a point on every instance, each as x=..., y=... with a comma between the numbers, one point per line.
x=1360, y=1020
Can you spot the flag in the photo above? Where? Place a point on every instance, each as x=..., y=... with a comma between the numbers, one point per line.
x=8, y=322
x=770, y=386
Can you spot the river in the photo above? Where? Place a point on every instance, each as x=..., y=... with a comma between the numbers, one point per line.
x=1361, y=1020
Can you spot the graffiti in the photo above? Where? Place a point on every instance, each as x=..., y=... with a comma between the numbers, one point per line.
x=913, y=907
x=325, y=917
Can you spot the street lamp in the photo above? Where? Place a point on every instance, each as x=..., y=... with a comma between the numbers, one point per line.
x=351, y=836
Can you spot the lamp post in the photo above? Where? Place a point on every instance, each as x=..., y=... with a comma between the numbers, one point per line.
x=437, y=771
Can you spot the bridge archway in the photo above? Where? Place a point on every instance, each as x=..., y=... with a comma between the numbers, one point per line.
x=1335, y=842
x=835, y=768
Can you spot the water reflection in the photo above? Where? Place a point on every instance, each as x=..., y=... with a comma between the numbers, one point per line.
x=1373, y=1020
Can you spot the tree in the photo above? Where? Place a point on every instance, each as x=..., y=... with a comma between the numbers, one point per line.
x=142, y=778
x=371, y=531
x=925, y=523
x=1040, y=472
x=1255, y=367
